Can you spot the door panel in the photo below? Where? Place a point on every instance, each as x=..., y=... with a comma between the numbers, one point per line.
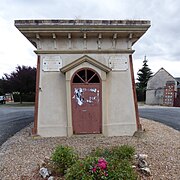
x=86, y=106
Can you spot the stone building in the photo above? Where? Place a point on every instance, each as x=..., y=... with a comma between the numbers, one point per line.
x=163, y=89
x=85, y=81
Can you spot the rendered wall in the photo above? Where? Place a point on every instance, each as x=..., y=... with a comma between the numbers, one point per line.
x=52, y=104
x=121, y=110
x=118, y=110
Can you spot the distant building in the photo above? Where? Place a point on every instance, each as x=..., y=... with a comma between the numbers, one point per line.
x=163, y=89
x=9, y=97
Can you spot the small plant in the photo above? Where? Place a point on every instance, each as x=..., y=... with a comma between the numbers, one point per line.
x=99, y=169
x=122, y=170
x=63, y=158
x=81, y=170
x=110, y=164
x=117, y=152
x=123, y=152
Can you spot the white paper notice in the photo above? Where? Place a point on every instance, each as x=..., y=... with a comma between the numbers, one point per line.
x=52, y=63
x=118, y=63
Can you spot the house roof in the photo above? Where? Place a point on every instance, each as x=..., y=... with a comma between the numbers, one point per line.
x=160, y=70
x=85, y=59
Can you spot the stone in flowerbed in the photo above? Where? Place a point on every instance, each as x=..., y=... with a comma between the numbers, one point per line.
x=111, y=163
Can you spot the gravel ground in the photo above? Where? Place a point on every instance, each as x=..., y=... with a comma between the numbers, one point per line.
x=22, y=154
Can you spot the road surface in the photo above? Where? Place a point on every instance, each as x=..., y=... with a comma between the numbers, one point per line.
x=167, y=115
x=13, y=119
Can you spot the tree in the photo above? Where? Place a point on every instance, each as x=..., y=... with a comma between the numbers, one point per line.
x=1, y=87
x=143, y=76
x=22, y=80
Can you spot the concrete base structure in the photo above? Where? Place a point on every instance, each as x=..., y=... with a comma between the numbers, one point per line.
x=64, y=47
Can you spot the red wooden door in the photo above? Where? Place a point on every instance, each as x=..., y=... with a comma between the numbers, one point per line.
x=86, y=102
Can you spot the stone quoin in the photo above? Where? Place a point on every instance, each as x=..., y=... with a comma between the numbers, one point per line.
x=85, y=82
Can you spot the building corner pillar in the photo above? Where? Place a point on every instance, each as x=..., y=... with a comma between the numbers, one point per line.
x=34, y=130
x=139, y=126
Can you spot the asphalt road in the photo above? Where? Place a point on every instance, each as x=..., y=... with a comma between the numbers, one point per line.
x=167, y=115
x=13, y=119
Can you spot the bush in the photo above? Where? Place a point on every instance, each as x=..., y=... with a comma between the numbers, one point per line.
x=141, y=95
x=123, y=152
x=114, y=163
x=25, y=97
x=122, y=170
x=117, y=152
x=81, y=170
x=63, y=158
x=16, y=97
x=28, y=97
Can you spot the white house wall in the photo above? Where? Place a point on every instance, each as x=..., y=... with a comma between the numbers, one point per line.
x=52, y=113
x=121, y=110
x=155, y=87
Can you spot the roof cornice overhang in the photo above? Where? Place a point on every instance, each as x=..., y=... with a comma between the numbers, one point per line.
x=105, y=51
x=29, y=28
x=82, y=25
x=82, y=60
x=70, y=28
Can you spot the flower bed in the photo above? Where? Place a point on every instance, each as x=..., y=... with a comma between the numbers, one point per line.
x=113, y=163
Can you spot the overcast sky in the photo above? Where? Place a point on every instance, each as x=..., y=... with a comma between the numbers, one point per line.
x=161, y=43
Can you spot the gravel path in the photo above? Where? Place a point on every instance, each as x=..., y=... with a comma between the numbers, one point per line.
x=22, y=153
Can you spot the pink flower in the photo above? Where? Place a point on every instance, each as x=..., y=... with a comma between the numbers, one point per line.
x=101, y=160
x=106, y=174
x=94, y=169
x=102, y=163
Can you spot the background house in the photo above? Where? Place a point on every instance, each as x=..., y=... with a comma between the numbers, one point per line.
x=163, y=89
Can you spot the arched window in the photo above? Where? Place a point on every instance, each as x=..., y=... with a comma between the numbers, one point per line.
x=86, y=76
